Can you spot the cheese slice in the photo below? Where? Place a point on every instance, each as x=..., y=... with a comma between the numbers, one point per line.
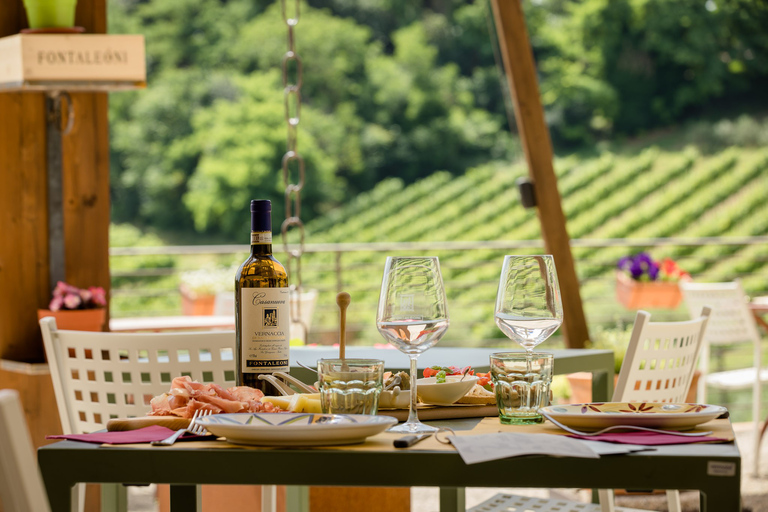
x=300, y=402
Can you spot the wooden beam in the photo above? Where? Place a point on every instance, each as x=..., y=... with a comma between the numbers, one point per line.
x=520, y=70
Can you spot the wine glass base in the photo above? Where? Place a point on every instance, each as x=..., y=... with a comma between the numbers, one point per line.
x=413, y=428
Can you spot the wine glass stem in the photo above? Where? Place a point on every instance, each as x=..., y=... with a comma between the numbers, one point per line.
x=412, y=416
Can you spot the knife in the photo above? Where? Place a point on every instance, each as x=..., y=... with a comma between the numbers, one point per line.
x=405, y=442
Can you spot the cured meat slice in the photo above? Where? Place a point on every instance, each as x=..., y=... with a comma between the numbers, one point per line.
x=187, y=396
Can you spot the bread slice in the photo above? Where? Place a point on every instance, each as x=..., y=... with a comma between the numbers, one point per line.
x=478, y=395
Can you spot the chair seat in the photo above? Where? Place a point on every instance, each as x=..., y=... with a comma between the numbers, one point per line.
x=503, y=502
x=735, y=379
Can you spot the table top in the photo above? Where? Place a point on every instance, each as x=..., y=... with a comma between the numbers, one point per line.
x=691, y=466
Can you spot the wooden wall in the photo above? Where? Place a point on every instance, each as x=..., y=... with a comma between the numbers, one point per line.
x=24, y=283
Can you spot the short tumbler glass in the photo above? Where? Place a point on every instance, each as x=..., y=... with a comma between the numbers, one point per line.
x=350, y=386
x=521, y=383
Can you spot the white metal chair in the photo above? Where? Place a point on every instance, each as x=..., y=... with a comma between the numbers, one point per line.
x=21, y=488
x=658, y=367
x=98, y=376
x=732, y=323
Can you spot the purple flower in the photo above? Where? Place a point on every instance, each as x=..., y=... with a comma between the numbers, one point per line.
x=636, y=268
x=640, y=267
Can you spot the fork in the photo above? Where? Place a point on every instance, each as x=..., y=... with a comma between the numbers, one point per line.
x=192, y=428
x=617, y=427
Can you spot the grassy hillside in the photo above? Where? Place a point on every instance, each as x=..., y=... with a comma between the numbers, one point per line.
x=648, y=193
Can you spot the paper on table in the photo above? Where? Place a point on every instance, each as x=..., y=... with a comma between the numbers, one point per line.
x=603, y=448
x=485, y=447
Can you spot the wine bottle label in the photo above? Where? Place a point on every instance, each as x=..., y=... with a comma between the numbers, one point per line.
x=259, y=238
x=265, y=329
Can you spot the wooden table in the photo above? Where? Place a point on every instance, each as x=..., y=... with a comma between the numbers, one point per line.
x=713, y=469
x=599, y=362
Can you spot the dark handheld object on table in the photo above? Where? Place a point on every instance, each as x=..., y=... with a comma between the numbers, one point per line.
x=405, y=442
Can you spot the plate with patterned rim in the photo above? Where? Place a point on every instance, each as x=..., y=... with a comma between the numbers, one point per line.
x=594, y=416
x=296, y=429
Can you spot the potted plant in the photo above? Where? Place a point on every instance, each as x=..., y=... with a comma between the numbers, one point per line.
x=44, y=14
x=77, y=309
x=642, y=282
x=200, y=288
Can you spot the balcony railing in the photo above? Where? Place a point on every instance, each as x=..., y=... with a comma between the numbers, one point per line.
x=146, y=279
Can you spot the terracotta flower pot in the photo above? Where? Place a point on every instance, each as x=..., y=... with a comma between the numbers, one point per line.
x=646, y=294
x=77, y=319
x=50, y=13
x=196, y=304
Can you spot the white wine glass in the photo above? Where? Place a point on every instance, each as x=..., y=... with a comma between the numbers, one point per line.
x=528, y=304
x=413, y=316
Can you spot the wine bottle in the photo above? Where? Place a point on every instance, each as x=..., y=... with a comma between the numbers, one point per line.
x=261, y=307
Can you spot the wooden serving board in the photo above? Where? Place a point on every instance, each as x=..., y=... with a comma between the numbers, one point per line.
x=172, y=422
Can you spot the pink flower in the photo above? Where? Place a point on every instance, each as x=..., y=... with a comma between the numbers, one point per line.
x=72, y=301
x=56, y=303
x=61, y=289
x=98, y=296
x=86, y=296
x=66, y=296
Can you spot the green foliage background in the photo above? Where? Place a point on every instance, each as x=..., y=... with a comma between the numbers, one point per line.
x=396, y=88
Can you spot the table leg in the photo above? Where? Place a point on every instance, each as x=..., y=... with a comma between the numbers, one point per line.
x=186, y=498
x=727, y=497
x=60, y=496
x=602, y=387
x=452, y=499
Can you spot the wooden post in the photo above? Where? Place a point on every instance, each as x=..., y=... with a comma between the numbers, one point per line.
x=521, y=75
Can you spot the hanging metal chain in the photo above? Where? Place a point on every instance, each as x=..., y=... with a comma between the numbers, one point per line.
x=292, y=102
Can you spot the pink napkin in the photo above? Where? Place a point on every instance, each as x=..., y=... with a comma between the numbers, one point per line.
x=648, y=438
x=142, y=435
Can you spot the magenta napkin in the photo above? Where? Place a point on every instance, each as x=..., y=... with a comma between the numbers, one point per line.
x=141, y=435
x=648, y=438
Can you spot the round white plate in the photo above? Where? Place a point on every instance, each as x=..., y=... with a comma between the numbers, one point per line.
x=595, y=416
x=296, y=429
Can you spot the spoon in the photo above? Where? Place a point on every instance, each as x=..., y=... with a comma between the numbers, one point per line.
x=343, y=299
x=465, y=373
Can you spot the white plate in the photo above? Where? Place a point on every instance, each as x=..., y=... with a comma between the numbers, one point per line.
x=595, y=416
x=296, y=429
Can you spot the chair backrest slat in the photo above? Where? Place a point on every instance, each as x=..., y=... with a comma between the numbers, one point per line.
x=101, y=375
x=660, y=359
x=21, y=487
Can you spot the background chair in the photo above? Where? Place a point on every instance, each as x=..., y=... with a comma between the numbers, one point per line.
x=98, y=376
x=21, y=488
x=658, y=366
x=732, y=323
